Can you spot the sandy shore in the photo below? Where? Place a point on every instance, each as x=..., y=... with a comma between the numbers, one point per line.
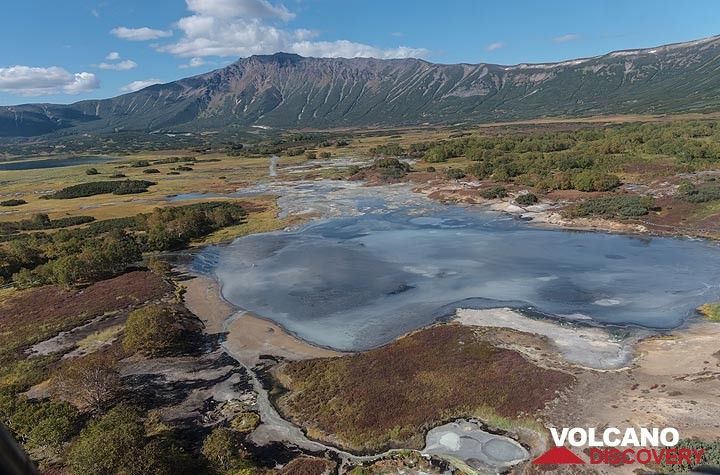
x=248, y=336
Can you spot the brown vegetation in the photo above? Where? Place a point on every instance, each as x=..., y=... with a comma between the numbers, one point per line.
x=37, y=314
x=307, y=466
x=387, y=397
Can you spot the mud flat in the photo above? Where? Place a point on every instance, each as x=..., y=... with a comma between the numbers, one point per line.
x=674, y=382
x=591, y=347
x=248, y=336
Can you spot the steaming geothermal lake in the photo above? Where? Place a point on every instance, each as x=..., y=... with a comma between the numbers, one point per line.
x=358, y=281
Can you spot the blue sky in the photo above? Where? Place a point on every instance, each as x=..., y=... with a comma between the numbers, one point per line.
x=69, y=50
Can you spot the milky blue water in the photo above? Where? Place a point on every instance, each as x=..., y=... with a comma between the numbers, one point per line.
x=53, y=163
x=357, y=282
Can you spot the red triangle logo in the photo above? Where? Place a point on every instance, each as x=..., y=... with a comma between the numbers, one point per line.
x=558, y=456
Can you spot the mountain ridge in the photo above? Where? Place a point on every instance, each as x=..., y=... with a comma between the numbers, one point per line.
x=288, y=91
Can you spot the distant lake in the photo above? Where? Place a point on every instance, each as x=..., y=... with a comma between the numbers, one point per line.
x=52, y=163
x=355, y=282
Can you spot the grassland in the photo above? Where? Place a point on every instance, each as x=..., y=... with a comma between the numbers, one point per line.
x=217, y=173
x=388, y=397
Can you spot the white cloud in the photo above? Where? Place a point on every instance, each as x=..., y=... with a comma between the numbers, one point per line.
x=239, y=28
x=397, y=34
x=81, y=82
x=194, y=63
x=348, y=49
x=566, y=38
x=113, y=56
x=140, y=34
x=126, y=65
x=137, y=85
x=239, y=8
x=495, y=46
x=30, y=81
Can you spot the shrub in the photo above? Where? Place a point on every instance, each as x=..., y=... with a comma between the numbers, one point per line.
x=436, y=155
x=710, y=459
x=42, y=221
x=391, y=163
x=325, y=155
x=108, y=445
x=526, y=199
x=623, y=206
x=593, y=181
x=117, y=443
x=494, y=193
x=140, y=164
x=698, y=194
x=173, y=228
x=96, y=259
x=44, y=425
x=13, y=202
x=92, y=381
x=151, y=171
x=454, y=173
x=117, y=175
x=310, y=155
x=153, y=330
x=92, y=171
x=390, y=149
x=294, y=152
x=101, y=187
x=391, y=168
x=501, y=174
x=159, y=266
x=221, y=448
x=130, y=187
x=480, y=170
